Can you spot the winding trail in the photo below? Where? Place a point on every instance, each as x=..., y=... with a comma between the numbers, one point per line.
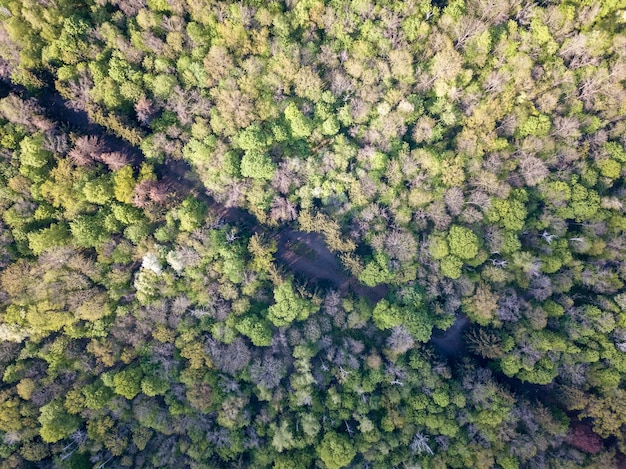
x=318, y=264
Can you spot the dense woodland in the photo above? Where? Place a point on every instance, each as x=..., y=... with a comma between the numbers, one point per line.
x=462, y=161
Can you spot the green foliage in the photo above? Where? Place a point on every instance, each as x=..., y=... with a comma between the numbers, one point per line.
x=537, y=126
x=56, y=423
x=88, y=231
x=98, y=191
x=376, y=271
x=55, y=235
x=301, y=127
x=257, y=330
x=127, y=382
x=191, y=214
x=387, y=315
x=257, y=165
x=32, y=153
x=288, y=306
x=451, y=266
x=464, y=158
x=124, y=184
x=336, y=450
x=510, y=214
x=463, y=242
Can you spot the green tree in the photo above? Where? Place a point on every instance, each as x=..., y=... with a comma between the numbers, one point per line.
x=99, y=191
x=56, y=423
x=257, y=165
x=191, y=214
x=88, y=230
x=511, y=214
x=387, y=315
x=55, y=235
x=288, y=306
x=127, y=382
x=124, y=184
x=257, y=330
x=463, y=242
x=336, y=450
x=451, y=266
x=32, y=153
x=301, y=126
x=376, y=271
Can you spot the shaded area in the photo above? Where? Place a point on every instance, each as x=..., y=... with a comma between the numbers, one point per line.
x=55, y=107
x=301, y=253
x=451, y=342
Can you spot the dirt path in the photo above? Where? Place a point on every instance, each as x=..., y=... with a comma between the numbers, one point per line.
x=304, y=254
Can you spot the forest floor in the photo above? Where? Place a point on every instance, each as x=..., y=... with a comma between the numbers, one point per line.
x=304, y=254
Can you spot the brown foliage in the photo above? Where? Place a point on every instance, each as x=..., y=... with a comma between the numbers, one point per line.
x=580, y=436
x=115, y=160
x=148, y=192
x=87, y=150
x=145, y=110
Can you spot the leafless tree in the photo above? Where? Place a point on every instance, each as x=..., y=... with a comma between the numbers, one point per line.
x=436, y=211
x=56, y=143
x=540, y=287
x=145, y=110
x=533, y=169
x=186, y=104
x=454, y=199
x=229, y=358
x=495, y=82
x=148, y=192
x=480, y=200
x=114, y=160
x=87, y=150
x=467, y=28
x=419, y=444
x=507, y=126
x=400, y=341
x=566, y=128
x=283, y=210
x=267, y=372
x=20, y=111
x=129, y=7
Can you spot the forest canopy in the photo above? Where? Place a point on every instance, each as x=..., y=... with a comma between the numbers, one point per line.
x=312, y=234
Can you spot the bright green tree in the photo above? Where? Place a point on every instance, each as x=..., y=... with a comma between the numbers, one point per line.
x=88, y=230
x=32, y=153
x=257, y=165
x=301, y=126
x=288, y=306
x=56, y=423
x=257, y=330
x=127, y=382
x=99, y=191
x=191, y=214
x=336, y=450
x=56, y=234
x=463, y=242
x=124, y=184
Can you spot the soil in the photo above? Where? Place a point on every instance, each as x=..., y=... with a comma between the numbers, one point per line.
x=450, y=342
x=304, y=254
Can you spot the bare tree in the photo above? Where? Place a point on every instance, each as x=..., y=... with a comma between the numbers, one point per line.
x=400, y=341
x=400, y=245
x=419, y=444
x=145, y=110
x=533, y=169
x=454, y=199
x=283, y=210
x=114, y=160
x=87, y=150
